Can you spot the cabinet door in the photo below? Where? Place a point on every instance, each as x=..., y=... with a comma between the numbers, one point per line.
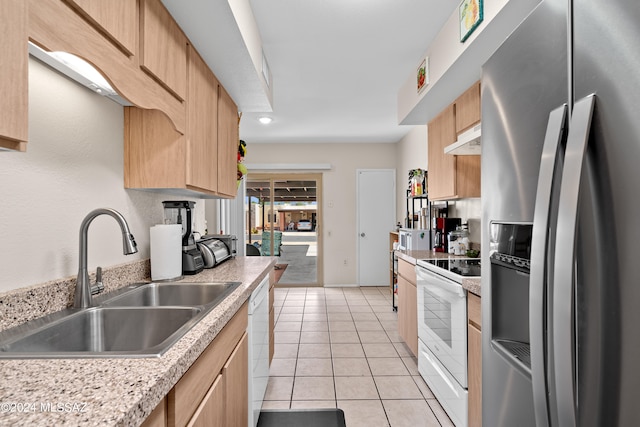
x=468, y=108
x=164, y=47
x=450, y=177
x=210, y=413
x=157, y=418
x=442, y=167
x=154, y=153
x=118, y=19
x=202, y=123
x=227, y=144
x=236, y=377
x=467, y=176
x=408, y=314
x=184, y=398
x=14, y=77
x=475, y=376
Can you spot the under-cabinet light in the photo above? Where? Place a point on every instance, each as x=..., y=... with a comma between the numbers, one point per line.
x=78, y=70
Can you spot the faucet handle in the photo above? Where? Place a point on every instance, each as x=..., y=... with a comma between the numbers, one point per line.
x=98, y=286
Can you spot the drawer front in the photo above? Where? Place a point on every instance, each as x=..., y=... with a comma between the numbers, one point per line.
x=452, y=396
x=407, y=270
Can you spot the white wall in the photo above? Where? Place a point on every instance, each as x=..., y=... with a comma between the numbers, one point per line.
x=454, y=66
x=470, y=211
x=412, y=154
x=73, y=164
x=339, y=187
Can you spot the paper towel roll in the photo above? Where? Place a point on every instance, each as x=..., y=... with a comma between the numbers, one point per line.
x=166, y=251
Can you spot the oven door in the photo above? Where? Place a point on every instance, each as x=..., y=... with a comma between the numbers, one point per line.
x=442, y=321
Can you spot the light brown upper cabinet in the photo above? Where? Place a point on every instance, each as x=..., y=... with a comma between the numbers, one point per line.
x=227, y=144
x=164, y=47
x=468, y=108
x=54, y=26
x=452, y=177
x=202, y=120
x=441, y=173
x=117, y=19
x=201, y=161
x=14, y=76
x=181, y=134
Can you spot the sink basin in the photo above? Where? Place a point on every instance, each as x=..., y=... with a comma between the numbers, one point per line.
x=173, y=294
x=140, y=321
x=105, y=332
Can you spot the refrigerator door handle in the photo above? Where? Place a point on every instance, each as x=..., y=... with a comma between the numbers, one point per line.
x=564, y=268
x=552, y=151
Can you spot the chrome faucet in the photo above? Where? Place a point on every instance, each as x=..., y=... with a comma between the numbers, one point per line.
x=82, y=298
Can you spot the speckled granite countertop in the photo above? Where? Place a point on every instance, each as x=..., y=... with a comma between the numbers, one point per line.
x=472, y=285
x=118, y=392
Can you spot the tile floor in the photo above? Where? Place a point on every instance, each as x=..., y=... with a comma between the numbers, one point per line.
x=339, y=347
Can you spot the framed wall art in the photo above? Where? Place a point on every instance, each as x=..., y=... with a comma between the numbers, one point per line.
x=470, y=13
x=422, y=75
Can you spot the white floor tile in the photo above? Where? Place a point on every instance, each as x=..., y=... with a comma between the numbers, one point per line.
x=341, y=347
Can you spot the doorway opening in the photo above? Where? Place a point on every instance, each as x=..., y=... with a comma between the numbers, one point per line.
x=283, y=219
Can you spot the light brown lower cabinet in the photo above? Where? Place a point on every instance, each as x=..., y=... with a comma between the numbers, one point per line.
x=226, y=404
x=158, y=417
x=408, y=313
x=408, y=305
x=236, y=393
x=210, y=412
x=215, y=389
x=474, y=360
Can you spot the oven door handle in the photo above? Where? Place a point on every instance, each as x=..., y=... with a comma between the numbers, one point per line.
x=445, y=284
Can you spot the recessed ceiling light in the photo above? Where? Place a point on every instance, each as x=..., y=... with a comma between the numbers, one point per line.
x=265, y=120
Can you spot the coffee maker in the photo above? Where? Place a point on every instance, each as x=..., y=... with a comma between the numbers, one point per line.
x=442, y=228
x=179, y=212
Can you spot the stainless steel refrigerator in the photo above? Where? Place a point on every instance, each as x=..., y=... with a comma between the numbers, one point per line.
x=561, y=218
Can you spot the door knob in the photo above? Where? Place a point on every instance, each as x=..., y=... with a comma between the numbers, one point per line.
x=362, y=234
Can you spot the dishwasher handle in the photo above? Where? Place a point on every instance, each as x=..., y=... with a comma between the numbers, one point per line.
x=258, y=295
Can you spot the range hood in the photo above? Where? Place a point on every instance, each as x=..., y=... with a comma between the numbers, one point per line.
x=468, y=143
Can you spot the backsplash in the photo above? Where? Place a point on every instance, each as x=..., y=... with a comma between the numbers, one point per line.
x=21, y=305
x=470, y=211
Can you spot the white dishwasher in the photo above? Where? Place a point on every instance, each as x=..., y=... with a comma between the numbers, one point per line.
x=258, y=334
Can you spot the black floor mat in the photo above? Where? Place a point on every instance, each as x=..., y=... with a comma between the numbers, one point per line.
x=302, y=418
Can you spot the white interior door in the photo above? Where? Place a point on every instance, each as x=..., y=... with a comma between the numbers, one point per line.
x=376, y=211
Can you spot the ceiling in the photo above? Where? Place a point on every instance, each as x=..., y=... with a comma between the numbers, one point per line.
x=284, y=191
x=336, y=65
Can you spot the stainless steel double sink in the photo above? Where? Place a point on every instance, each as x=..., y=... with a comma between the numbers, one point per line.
x=142, y=320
